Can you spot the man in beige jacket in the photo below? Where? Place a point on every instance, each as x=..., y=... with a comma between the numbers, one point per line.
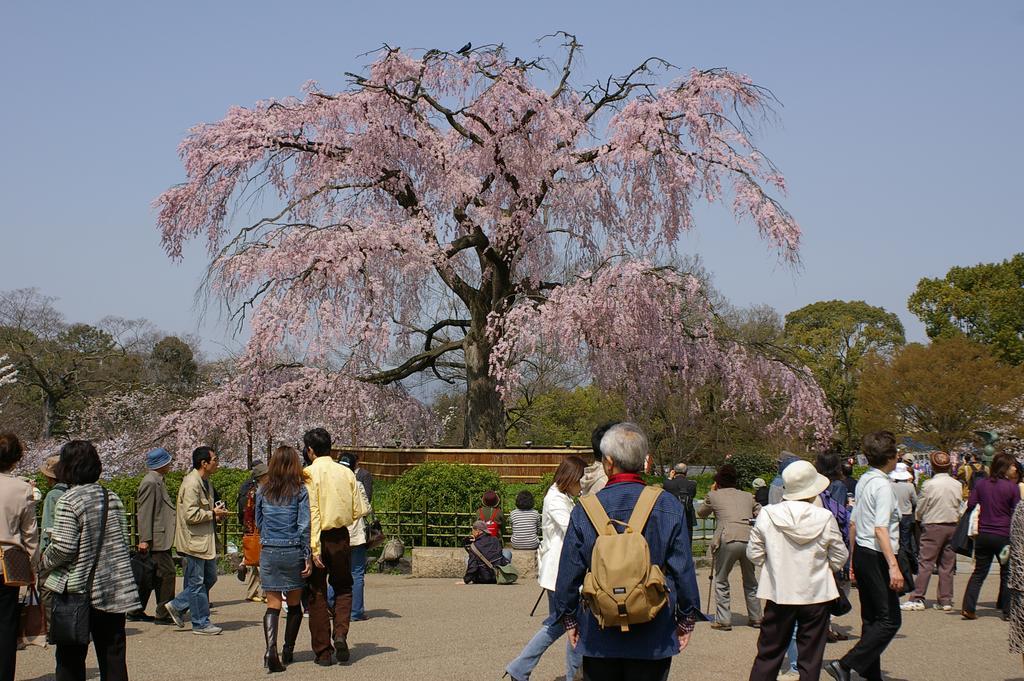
x=195, y=539
x=938, y=510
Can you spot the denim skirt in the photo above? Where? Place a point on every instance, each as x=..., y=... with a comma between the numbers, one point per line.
x=281, y=568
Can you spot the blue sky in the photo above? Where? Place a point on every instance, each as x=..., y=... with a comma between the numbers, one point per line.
x=899, y=132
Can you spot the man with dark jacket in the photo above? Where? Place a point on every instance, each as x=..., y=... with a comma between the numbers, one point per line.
x=155, y=514
x=477, y=571
x=644, y=652
x=683, y=489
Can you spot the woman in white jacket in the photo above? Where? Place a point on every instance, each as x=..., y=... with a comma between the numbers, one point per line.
x=558, y=505
x=800, y=547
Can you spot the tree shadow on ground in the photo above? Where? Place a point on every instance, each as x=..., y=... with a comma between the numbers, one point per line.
x=383, y=614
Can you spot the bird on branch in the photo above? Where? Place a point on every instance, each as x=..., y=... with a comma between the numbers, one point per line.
x=464, y=50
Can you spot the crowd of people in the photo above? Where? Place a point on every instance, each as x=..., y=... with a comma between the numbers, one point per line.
x=614, y=554
x=308, y=553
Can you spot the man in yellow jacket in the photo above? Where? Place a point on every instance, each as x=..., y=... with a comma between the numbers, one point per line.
x=334, y=504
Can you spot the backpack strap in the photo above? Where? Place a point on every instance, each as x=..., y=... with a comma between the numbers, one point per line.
x=480, y=555
x=494, y=514
x=598, y=517
x=643, y=508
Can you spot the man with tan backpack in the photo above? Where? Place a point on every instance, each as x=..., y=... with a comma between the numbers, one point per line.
x=627, y=554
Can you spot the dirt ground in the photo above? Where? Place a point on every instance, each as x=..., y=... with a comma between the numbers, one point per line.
x=434, y=629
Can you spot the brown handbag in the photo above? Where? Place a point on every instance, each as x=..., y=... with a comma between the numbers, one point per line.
x=17, y=567
x=251, y=549
x=32, y=621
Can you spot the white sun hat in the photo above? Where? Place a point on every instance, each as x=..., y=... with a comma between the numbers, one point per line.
x=801, y=481
x=902, y=472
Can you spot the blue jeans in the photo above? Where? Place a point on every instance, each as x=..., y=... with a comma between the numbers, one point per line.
x=791, y=652
x=522, y=666
x=358, y=571
x=200, y=576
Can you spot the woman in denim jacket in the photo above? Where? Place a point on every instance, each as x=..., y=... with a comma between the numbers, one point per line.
x=282, y=516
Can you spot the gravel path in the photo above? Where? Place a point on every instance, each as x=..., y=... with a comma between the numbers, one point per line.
x=434, y=629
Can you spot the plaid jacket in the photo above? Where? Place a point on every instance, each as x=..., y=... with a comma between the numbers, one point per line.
x=73, y=547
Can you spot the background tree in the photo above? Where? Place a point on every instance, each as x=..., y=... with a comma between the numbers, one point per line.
x=939, y=393
x=453, y=213
x=173, y=364
x=833, y=337
x=985, y=302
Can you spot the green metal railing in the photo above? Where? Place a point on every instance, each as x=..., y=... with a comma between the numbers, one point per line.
x=414, y=528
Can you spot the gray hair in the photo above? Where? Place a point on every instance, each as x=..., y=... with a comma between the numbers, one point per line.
x=626, y=445
x=681, y=468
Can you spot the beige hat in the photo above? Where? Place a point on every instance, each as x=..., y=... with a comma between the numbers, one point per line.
x=801, y=481
x=49, y=468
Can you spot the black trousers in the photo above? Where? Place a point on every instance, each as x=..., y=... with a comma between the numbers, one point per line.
x=625, y=669
x=879, y=613
x=107, y=630
x=811, y=623
x=163, y=583
x=986, y=548
x=8, y=630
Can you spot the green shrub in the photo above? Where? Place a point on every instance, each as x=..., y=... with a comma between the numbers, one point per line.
x=750, y=465
x=442, y=487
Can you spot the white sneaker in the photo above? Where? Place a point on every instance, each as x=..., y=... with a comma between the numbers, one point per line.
x=913, y=605
x=947, y=607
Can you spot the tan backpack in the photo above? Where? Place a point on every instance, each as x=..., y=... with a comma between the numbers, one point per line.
x=622, y=587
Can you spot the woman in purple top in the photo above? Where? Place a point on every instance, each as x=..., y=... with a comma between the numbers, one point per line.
x=998, y=497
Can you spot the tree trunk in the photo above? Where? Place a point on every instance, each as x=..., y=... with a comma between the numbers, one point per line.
x=485, y=413
x=49, y=415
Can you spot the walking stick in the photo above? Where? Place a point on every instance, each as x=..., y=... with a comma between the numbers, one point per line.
x=537, y=603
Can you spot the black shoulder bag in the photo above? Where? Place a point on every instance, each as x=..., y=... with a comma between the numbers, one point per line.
x=69, y=623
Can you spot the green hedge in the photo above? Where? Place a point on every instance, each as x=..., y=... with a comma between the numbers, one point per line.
x=227, y=482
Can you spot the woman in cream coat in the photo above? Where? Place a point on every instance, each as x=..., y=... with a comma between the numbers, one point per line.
x=800, y=547
x=558, y=505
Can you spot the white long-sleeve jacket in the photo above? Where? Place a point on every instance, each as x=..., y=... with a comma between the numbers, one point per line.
x=800, y=547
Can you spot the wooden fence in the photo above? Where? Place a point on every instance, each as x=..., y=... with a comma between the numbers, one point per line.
x=523, y=464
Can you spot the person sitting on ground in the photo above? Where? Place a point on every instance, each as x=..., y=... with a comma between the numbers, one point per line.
x=525, y=523
x=490, y=514
x=800, y=546
x=477, y=571
x=594, y=478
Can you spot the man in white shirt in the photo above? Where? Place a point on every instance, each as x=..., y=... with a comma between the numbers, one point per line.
x=875, y=530
x=938, y=510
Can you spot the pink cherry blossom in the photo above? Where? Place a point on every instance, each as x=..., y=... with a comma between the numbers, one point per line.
x=417, y=219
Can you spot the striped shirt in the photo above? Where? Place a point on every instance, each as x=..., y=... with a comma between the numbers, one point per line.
x=525, y=529
x=73, y=547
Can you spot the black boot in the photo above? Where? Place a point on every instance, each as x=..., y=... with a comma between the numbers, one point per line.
x=291, y=631
x=270, y=659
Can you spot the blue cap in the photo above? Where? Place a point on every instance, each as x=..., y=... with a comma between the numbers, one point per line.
x=157, y=458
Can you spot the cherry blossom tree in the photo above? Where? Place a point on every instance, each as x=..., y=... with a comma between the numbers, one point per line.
x=446, y=212
x=257, y=409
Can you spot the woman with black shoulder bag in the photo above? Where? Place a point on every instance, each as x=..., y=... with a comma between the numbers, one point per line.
x=90, y=573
